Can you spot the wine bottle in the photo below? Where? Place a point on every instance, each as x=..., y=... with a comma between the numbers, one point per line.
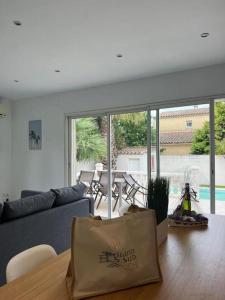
x=187, y=199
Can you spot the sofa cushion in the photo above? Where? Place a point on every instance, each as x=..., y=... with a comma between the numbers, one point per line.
x=28, y=193
x=27, y=206
x=80, y=189
x=69, y=194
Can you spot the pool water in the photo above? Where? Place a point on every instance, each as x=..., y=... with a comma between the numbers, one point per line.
x=205, y=194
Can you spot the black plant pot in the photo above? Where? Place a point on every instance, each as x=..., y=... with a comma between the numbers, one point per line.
x=158, y=197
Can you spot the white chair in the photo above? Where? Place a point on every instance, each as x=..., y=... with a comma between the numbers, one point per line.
x=27, y=260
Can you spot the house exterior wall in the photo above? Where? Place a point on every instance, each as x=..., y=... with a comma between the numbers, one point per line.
x=176, y=149
x=179, y=123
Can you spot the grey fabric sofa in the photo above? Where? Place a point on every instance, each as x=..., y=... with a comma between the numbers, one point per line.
x=52, y=226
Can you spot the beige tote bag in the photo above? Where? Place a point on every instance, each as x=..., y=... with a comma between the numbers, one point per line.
x=110, y=255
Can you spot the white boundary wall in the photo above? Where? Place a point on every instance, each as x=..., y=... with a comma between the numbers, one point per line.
x=177, y=165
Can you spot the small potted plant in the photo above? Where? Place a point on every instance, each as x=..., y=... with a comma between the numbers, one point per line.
x=158, y=199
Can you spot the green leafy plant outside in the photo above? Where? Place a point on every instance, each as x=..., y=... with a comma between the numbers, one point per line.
x=131, y=131
x=201, y=144
x=90, y=144
x=201, y=140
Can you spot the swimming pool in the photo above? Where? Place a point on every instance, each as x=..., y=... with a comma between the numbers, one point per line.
x=205, y=194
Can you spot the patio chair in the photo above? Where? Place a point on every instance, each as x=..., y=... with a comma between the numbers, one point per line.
x=130, y=190
x=87, y=177
x=117, y=186
x=143, y=190
x=119, y=174
x=102, y=187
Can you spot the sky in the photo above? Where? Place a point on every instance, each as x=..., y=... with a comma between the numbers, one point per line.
x=184, y=107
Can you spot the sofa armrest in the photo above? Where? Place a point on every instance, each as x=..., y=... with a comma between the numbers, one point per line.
x=27, y=193
x=91, y=204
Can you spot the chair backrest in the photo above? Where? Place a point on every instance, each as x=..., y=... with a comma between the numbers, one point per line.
x=142, y=189
x=103, y=178
x=28, y=260
x=119, y=174
x=129, y=179
x=103, y=181
x=86, y=176
x=130, y=184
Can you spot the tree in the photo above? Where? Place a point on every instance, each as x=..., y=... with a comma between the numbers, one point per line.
x=129, y=134
x=131, y=130
x=220, y=147
x=200, y=143
x=220, y=121
x=128, y=130
x=201, y=140
x=135, y=118
x=91, y=145
x=103, y=128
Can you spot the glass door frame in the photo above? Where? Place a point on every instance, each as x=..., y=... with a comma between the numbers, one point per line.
x=69, y=143
x=211, y=103
x=212, y=156
x=148, y=108
x=109, y=150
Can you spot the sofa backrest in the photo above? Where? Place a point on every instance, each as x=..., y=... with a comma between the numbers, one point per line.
x=52, y=227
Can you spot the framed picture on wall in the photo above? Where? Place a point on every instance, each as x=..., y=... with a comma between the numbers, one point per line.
x=35, y=135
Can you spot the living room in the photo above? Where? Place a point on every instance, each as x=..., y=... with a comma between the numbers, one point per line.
x=84, y=58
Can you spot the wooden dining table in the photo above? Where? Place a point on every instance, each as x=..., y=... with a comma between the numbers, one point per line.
x=192, y=261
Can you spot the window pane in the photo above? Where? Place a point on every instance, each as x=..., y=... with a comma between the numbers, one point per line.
x=219, y=119
x=129, y=159
x=89, y=158
x=184, y=153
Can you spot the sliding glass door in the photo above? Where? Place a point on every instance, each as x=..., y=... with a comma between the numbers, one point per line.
x=113, y=152
x=184, y=152
x=219, y=140
x=88, y=140
x=128, y=160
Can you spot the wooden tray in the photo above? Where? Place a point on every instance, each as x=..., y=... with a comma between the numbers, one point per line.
x=179, y=223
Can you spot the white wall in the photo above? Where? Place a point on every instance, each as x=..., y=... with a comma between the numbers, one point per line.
x=123, y=162
x=177, y=165
x=45, y=169
x=5, y=151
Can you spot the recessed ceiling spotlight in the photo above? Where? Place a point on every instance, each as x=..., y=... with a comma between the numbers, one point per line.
x=204, y=34
x=119, y=55
x=17, y=23
x=16, y=80
x=57, y=71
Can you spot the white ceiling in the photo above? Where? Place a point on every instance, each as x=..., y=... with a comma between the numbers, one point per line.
x=83, y=37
